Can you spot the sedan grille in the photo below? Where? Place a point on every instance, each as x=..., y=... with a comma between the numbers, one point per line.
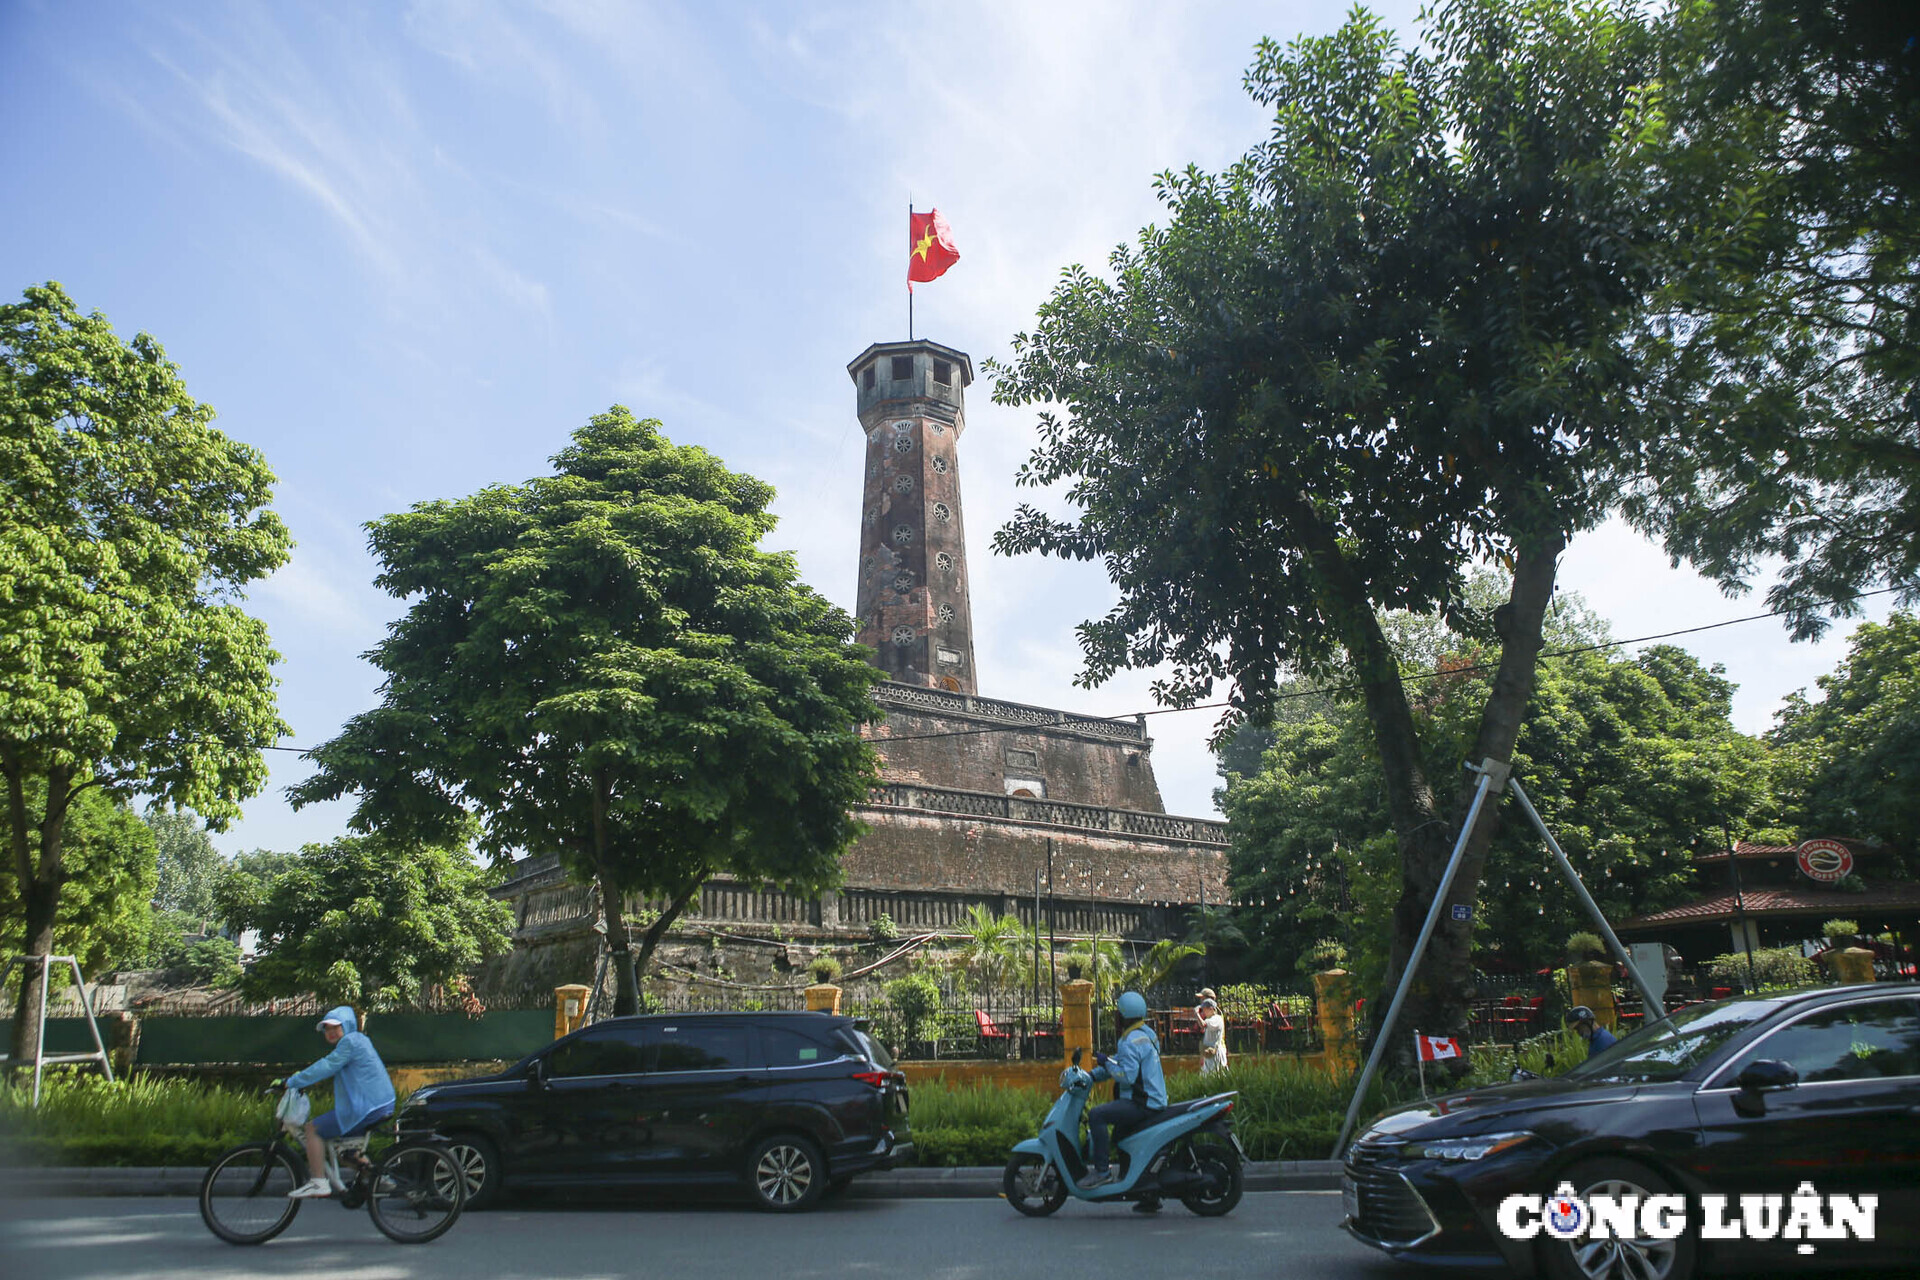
x=1387, y=1208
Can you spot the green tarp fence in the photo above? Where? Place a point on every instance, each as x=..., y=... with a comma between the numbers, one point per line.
x=402, y=1038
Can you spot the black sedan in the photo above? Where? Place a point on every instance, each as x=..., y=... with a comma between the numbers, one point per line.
x=788, y=1106
x=1763, y=1133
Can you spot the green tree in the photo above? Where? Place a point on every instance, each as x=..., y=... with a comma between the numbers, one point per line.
x=372, y=921
x=602, y=663
x=190, y=867
x=1850, y=762
x=1629, y=761
x=996, y=950
x=108, y=857
x=128, y=527
x=1389, y=343
x=1791, y=187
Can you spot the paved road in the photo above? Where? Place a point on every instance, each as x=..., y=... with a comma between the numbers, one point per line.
x=1271, y=1234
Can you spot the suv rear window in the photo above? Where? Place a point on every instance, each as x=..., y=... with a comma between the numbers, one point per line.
x=785, y=1047
x=698, y=1046
x=866, y=1046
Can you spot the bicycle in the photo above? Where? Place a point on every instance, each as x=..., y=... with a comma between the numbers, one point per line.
x=414, y=1192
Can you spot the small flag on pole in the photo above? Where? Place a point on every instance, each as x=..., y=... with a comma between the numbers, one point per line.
x=1439, y=1048
x=930, y=249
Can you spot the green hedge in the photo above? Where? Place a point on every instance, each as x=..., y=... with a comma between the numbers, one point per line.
x=1285, y=1111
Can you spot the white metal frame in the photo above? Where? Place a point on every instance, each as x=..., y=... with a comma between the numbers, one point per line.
x=40, y=1057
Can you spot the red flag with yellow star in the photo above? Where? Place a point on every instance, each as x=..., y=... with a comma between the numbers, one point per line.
x=930, y=248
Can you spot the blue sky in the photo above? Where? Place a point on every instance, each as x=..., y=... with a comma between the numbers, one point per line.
x=405, y=249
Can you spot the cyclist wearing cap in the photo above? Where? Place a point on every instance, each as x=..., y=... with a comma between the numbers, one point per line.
x=1135, y=1065
x=362, y=1094
x=1588, y=1028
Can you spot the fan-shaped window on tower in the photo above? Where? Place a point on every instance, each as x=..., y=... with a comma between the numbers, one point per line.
x=873, y=515
x=903, y=444
x=903, y=582
x=938, y=429
x=943, y=562
x=903, y=535
x=903, y=636
x=940, y=466
x=941, y=512
x=903, y=484
x=946, y=613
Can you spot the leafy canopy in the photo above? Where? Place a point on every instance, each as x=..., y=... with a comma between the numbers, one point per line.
x=128, y=528
x=602, y=663
x=1850, y=762
x=371, y=921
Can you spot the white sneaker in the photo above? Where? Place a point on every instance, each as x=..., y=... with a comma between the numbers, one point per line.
x=311, y=1189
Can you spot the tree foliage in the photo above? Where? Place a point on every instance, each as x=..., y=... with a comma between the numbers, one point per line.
x=601, y=663
x=189, y=866
x=1850, y=762
x=128, y=527
x=1789, y=330
x=1629, y=761
x=1388, y=343
x=372, y=921
x=108, y=856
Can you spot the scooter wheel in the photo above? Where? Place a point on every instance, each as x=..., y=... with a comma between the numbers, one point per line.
x=1219, y=1165
x=1033, y=1186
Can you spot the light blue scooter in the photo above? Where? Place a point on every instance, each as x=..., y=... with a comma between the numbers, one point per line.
x=1187, y=1152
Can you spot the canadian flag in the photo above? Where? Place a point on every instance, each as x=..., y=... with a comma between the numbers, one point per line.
x=1439, y=1048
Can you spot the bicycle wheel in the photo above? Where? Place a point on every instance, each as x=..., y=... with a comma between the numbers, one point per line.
x=418, y=1192
x=243, y=1197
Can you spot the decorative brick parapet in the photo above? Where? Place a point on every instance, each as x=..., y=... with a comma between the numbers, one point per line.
x=904, y=697
x=1055, y=813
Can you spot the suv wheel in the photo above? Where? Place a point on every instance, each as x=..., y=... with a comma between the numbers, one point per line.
x=786, y=1173
x=479, y=1162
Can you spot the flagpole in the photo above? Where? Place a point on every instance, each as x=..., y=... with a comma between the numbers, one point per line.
x=909, y=273
x=1418, y=1058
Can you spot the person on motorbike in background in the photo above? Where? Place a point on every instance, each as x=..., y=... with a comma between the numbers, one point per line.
x=1135, y=1066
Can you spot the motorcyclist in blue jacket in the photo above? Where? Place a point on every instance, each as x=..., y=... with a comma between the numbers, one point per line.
x=1135, y=1065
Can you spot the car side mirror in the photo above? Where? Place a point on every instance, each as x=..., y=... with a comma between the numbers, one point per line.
x=537, y=1074
x=1767, y=1075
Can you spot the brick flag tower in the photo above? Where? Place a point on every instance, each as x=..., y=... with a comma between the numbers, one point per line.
x=912, y=599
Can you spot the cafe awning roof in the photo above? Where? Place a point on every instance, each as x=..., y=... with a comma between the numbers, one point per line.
x=1777, y=904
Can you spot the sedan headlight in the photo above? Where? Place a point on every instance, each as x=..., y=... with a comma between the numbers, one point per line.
x=420, y=1097
x=1476, y=1148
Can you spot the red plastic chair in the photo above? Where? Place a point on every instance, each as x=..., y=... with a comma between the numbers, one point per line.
x=991, y=1036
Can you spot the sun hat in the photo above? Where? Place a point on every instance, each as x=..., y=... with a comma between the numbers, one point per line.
x=1206, y=993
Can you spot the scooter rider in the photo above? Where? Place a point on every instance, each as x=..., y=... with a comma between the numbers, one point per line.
x=1135, y=1064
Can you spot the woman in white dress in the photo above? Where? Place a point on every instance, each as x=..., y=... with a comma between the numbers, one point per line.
x=1213, y=1035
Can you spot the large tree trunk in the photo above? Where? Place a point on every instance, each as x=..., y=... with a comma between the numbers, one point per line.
x=39, y=887
x=626, y=983
x=1439, y=998
x=658, y=929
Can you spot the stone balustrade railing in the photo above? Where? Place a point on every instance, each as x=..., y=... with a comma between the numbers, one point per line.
x=1057, y=813
x=907, y=697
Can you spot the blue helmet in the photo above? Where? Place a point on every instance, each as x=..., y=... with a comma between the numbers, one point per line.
x=1133, y=1006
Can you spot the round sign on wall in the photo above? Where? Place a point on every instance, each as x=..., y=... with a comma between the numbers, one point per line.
x=1824, y=860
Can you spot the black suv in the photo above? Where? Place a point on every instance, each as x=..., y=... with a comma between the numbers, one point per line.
x=790, y=1105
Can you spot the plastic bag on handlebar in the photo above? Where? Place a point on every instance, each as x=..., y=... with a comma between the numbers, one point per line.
x=293, y=1109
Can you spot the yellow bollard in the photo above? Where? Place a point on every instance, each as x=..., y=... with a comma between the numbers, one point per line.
x=823, y=997
x=1591, y=983
x=569, y=1008
x=1076, y=1021
x=1852, y=964
x=1333, y=999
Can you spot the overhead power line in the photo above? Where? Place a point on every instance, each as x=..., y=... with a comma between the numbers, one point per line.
x=1357, y=685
